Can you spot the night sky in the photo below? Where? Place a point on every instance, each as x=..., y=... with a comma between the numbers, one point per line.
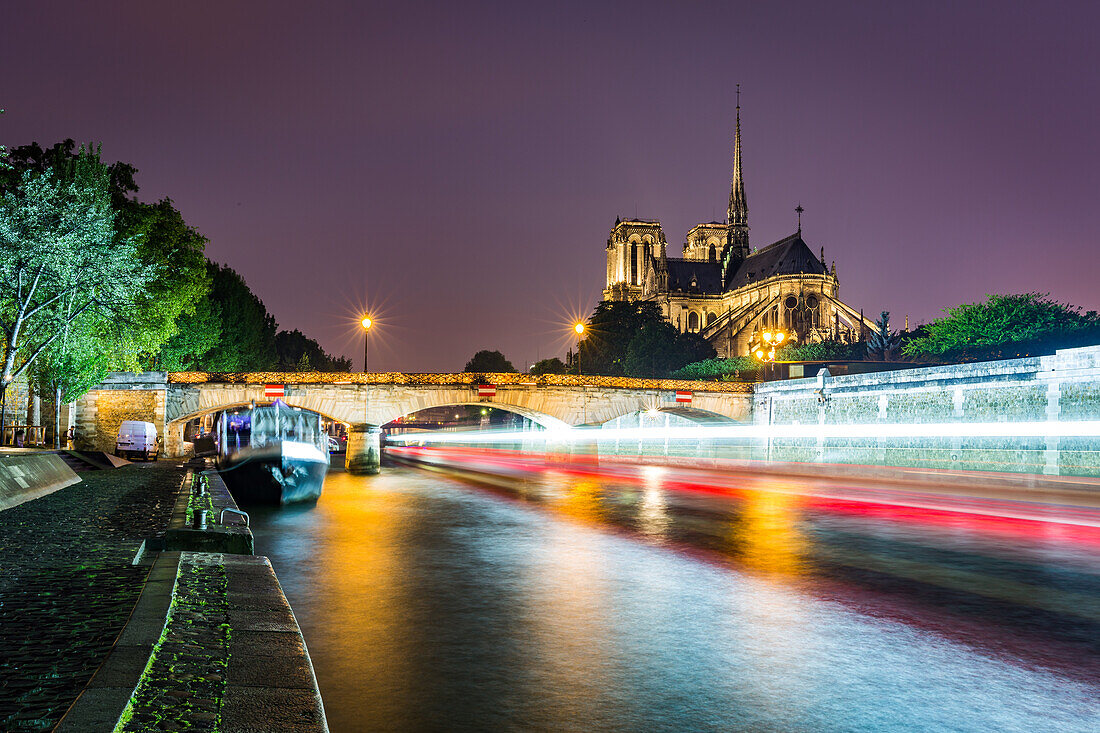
x=458, y=166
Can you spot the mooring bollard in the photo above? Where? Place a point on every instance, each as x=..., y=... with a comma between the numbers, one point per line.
x=198, y=521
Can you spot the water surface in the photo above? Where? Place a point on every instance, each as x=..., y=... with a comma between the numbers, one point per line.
x=565, y=602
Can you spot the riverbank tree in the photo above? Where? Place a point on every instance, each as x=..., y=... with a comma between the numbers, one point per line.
x=63, y=264
x=173, y=251
x=486, y=361
x=1005, y=327
x=633, y=339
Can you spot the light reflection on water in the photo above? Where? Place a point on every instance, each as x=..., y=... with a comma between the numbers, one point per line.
x=558, y=605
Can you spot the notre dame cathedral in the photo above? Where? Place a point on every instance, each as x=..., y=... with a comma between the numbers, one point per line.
x=724, y=290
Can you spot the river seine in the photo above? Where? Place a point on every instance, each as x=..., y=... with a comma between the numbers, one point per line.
x=570, y=603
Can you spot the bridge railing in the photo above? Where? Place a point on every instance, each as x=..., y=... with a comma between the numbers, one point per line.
x=498, y=379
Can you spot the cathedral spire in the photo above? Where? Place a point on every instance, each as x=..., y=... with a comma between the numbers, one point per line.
x=737, y=216
x=738, y=212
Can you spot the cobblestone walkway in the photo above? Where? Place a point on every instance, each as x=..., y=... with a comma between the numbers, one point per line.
x=67, y=585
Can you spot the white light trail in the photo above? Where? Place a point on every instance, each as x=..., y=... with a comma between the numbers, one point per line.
x=1066, y=429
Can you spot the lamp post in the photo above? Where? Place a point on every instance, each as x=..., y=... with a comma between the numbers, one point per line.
x=765, y=351
x=578, y=328
x=366, y=324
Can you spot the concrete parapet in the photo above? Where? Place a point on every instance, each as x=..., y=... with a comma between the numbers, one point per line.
x=26, y=475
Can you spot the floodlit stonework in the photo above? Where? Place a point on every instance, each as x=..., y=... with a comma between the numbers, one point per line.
x=170, y=400
x=725, y=291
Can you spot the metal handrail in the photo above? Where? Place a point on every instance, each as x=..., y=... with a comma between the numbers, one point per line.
x=221, y=517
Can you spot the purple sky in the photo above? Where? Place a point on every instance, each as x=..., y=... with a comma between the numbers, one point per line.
x=457, y=166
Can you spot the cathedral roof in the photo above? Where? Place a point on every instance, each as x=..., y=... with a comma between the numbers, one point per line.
x=707, y=276
x=637, y=222
x=790, y=256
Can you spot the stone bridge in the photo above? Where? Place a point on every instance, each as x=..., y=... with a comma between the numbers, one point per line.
x=367, y=401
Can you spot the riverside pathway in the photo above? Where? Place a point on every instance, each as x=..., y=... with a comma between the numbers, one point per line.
x=68, y=585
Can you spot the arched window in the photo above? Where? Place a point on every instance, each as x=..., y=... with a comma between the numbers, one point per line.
x=711, y=318
x=693, y=321
x=634, y=264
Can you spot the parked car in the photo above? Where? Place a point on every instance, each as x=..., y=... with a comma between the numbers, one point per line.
x=137, y=438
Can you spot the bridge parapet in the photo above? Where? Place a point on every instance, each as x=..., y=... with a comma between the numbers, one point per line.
x=464, y=378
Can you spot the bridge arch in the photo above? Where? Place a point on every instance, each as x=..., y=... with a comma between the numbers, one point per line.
x=540, y=418
x=174, y=426
x=671, y=415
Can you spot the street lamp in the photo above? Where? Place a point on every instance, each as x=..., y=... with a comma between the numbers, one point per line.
x=765, y=351
x=578, y=328
x=366, y=324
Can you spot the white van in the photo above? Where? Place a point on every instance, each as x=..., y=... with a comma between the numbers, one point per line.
x=137, y=438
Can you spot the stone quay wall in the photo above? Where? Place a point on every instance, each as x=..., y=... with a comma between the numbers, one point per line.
x=121, y=396
x=1054, y=390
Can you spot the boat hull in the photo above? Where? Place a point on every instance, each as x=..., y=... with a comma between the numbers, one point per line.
x=282, y=472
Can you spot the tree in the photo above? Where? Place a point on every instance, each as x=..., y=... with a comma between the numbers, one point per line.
x=164, y=241
x=60, y=260
x=608, y=333
x=883, y=342
x=553, y=365
x=634, y=339
x=76, y=361
x=248, y=331
x=692, y=348
x=653, y=351
x=291, y=347
x=735, y=368
x=1005, y=326
x=827, y=350
x=182, y=283
x=58, y=157
x=196, y=334
x=488, y=361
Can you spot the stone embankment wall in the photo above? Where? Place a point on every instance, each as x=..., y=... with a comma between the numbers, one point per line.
x=122, y=396
x=1052, y=390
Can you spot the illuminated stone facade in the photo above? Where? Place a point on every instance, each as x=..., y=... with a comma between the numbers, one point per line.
x=722, y=289
x=171, y=400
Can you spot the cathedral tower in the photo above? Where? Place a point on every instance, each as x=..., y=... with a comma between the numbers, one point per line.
x=631, y=246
